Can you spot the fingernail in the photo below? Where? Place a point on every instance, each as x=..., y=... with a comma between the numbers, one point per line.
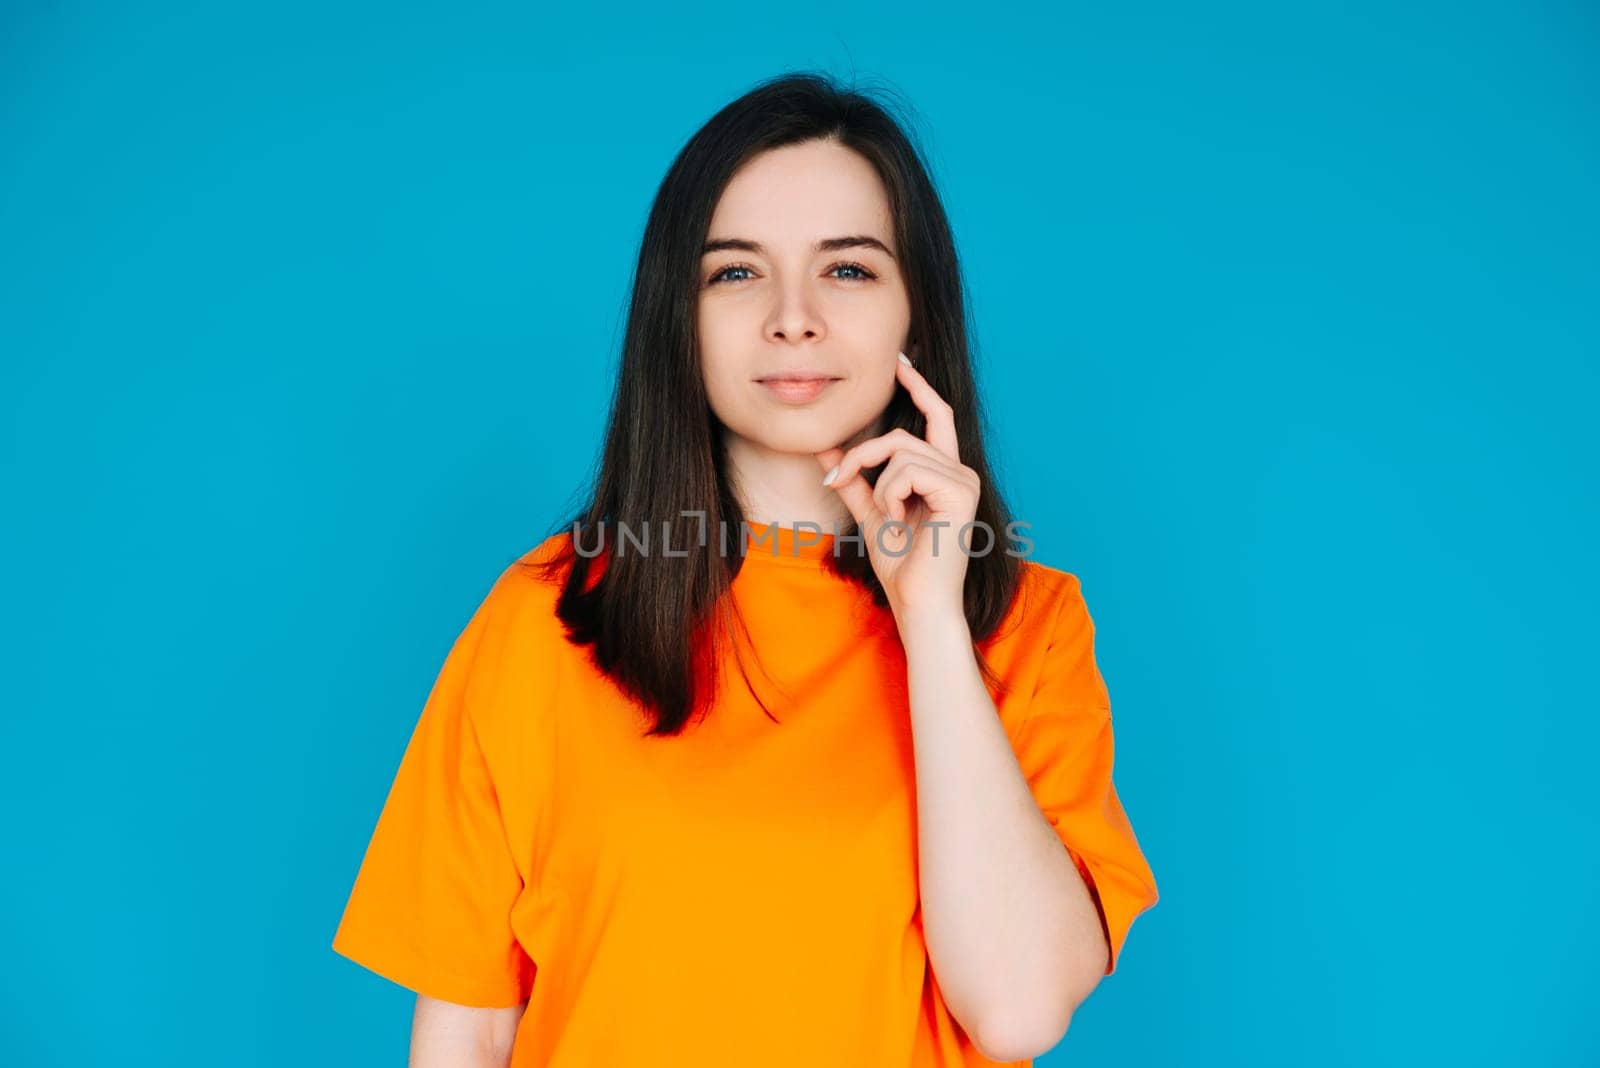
x=827, y=480
x=904, y=360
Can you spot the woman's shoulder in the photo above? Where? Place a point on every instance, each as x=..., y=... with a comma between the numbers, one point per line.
x=1044, y=594
x=521, y=601
x=1056, y=581
x=552, y=547
x=521, y=647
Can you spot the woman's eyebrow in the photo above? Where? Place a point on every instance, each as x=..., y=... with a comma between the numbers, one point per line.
x=827, y=244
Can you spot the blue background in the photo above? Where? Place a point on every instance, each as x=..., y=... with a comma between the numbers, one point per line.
x=1287, y=322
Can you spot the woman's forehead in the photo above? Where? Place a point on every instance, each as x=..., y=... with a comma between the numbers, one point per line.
x=798, y=195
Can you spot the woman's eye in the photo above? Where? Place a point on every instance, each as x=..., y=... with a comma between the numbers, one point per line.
x=864, y=273
x=722, y=274
x=727, y=274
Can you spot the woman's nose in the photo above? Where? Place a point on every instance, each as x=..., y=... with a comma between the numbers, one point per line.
x=795, y=316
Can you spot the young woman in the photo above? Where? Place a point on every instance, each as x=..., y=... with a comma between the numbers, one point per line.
x=781, y=752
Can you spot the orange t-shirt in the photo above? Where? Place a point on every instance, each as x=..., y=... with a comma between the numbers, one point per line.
x=745, y=892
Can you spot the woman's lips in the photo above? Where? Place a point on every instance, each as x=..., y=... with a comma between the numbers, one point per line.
x=797, y=390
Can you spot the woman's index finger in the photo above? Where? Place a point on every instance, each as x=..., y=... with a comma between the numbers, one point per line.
x=941, y=419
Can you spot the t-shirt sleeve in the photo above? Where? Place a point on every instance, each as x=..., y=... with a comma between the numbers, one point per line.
x=432, y=901
x=1065, y=749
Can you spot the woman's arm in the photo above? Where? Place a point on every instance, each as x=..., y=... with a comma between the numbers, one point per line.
x=1012, y=932
x=446, y=1034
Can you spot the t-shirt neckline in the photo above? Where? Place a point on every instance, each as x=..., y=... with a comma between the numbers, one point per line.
x=782, y=543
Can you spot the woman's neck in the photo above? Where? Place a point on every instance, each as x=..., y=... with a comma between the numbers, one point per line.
x=785, y=488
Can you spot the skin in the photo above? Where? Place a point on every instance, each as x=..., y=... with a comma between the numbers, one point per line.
x=444, y=1033
x=1011, y=929
x=792, y=306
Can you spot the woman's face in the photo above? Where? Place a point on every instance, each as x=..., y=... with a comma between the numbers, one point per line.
x=779, y=301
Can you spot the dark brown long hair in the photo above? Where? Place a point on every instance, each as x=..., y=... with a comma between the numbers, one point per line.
x=658, y=624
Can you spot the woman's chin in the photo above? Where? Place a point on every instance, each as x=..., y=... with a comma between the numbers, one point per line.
x=797, y=443
x=804, y=434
